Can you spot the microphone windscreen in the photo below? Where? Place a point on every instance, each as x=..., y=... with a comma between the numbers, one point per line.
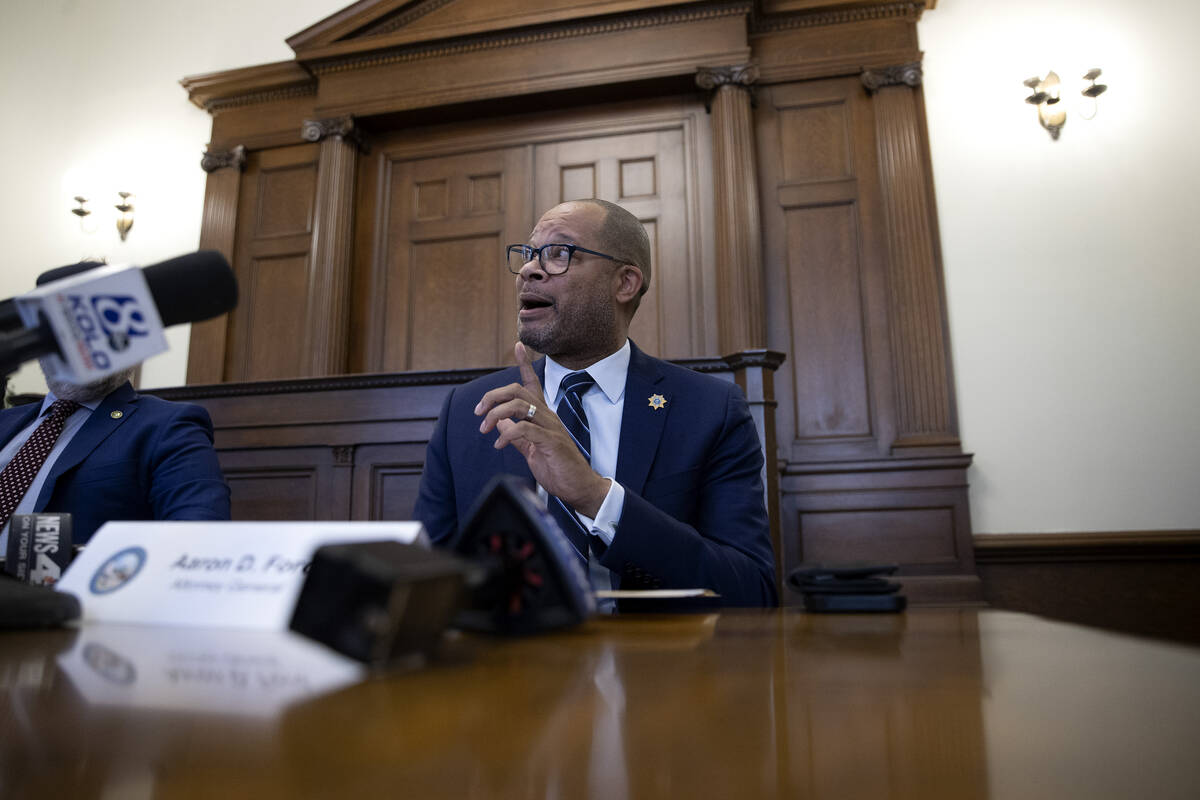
x=192, y=287
x=378, y=601
x=58, y=273
x=533, y=581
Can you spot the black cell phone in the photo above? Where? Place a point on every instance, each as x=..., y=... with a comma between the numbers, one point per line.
x=823, y=585
x=854, y=603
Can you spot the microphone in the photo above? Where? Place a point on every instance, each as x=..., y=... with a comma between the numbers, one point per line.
x=39, y=547
x=509, y=571
x=108, y=319
x=10, y=318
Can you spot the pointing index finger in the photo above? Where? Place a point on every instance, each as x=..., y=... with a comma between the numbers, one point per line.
x=529, y=378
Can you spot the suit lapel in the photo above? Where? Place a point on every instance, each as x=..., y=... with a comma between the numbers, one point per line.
x=100, y=424
x=16, y=420
x=641, y=425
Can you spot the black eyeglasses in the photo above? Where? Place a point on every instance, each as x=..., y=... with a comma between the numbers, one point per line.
x=553, y=258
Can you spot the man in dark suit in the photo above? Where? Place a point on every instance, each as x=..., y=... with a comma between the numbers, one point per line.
x=658, y=467
x=119, y=456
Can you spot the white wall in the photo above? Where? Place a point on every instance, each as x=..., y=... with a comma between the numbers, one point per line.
x=93, y=87
x=1072, y=266
x=1072, y=270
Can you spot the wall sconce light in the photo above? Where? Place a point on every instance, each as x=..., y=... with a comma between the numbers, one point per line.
x=124, y=207
x=125, y=212
x=1047, y=96
x=82, y=210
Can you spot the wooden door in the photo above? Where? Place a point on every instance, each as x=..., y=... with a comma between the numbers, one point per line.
x=645, y=173
x=438, y=204
x=447, y=300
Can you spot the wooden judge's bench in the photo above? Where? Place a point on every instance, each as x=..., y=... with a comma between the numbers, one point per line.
x=353, y=447
x=774, y=150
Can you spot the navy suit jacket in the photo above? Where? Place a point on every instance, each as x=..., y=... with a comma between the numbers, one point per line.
x=153, y=461
x=694, y=514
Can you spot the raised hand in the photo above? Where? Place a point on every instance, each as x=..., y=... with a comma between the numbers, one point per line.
x=520, y=414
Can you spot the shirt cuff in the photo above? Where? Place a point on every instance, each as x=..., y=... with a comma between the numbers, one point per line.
x=605, y=523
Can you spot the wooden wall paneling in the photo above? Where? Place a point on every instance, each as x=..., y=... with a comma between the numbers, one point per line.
x=326, y=334
x=443, y=296
x=913, y=513
x=846, y=496
x=218, y=231
x=825, y=267
x=600, y=52
x=833, y=42
x=1141, y=582
x=272, y=264
x=387, y=478
x=741, y=320
x=287, y=483
x=925, y=413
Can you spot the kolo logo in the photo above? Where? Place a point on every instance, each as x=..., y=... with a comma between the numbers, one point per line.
x=121, y=319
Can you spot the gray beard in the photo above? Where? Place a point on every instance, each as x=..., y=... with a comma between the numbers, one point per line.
x=85, y=393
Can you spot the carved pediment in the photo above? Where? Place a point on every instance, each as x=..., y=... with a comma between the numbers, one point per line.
x=379, y=24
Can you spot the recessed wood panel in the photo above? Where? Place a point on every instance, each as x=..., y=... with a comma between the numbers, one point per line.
x=431, y=201
x=577, y=182
x=638, y=178
x=815, y=142
x=285, y=201
x=827, y=329
x=275, y=331
x=909, y=536
x=485, y=194
x=287, y=494
x=453, y=301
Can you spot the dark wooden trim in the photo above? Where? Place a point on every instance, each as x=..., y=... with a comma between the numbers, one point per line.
x=764, y=359
x=1018, y=548
x=215, y=91
x=1141, y=582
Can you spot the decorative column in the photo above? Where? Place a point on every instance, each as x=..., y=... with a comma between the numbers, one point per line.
x=741, y=317
x=917, y=314
x=206, y=348
x=328, y=324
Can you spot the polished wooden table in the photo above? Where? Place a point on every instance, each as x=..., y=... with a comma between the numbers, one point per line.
x=960, y=703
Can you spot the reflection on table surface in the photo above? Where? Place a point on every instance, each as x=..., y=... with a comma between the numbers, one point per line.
x=955, y=703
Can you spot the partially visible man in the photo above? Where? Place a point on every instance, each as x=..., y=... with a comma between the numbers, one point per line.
x=103, y=452
x=653, y=470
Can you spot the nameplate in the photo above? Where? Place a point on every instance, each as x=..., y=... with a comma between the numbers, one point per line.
x=208, y=574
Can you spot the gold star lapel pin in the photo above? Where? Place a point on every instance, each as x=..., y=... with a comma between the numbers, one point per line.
x=658, y=402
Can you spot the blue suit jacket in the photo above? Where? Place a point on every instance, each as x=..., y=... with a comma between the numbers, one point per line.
x=694, y=514
x=154, y=461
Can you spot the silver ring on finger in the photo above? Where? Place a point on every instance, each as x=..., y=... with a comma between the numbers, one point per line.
x=532, y=410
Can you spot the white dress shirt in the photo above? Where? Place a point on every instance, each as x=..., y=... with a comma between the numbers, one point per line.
x=604, y=404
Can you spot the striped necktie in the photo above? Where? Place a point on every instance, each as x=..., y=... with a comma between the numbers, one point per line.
x=18, y=476
x=574, y=418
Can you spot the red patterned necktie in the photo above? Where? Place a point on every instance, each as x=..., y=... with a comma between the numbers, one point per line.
x=18, y=476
